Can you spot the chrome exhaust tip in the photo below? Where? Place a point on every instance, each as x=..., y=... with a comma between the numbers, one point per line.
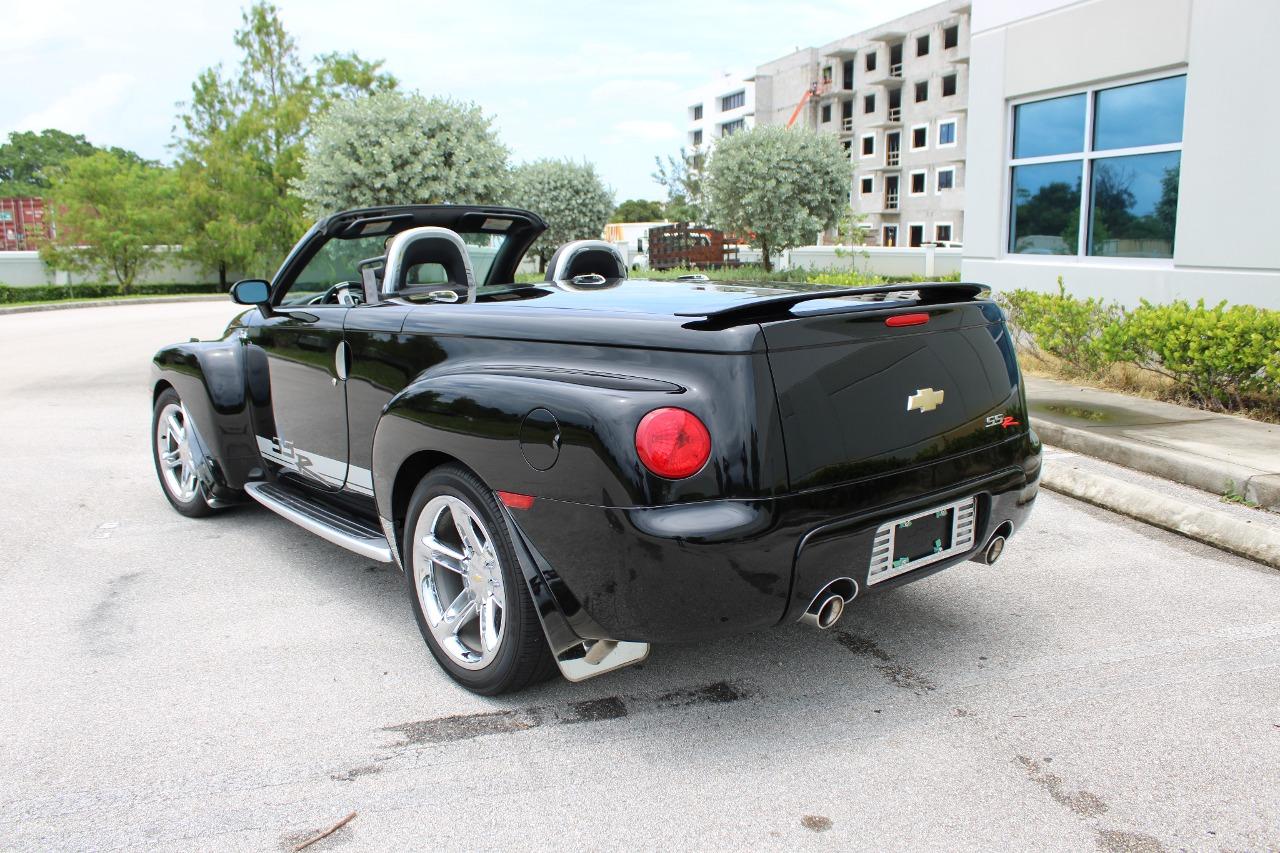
x=828, y=605
x=993, y=550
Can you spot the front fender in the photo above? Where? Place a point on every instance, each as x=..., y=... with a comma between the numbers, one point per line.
x=219, y=383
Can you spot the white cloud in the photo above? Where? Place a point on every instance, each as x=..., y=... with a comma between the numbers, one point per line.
x=82, y=109
x=645, y=130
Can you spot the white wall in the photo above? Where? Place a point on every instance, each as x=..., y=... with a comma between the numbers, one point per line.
x=25, y=269
x=875, y=260
x=1225, y=244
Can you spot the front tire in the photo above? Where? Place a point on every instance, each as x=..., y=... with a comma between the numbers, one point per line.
x=469, y=596
x=171, y=451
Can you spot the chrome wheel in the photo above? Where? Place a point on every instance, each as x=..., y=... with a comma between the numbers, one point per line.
x=458, y=579
x=173, y=450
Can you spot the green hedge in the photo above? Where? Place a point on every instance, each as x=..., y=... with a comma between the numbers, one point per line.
x=54, y=293
x=1219, y=356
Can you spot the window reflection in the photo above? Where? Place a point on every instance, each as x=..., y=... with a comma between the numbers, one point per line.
x=1045, y=217
x=1055, y=126
x=1140, y=114
x=1133, y=206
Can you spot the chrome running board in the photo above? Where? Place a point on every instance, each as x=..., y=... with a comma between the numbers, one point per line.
x=351, y=533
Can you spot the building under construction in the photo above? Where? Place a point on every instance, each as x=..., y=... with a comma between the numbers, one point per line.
x=897, y=96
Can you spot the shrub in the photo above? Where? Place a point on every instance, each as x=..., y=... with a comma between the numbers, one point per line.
x=1220, y=357
x=54, y=293
x=1224, y=357
x=1078, y=332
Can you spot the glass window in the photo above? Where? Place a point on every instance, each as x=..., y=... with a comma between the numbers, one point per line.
x=869, y=104
x=733, y=102
x=697, y=112
x=946, y=179
x=1125, y=206
x=1133, y=205
x=922, y=91
x=1055, y=126
x=947, y=133
x=920, y=137
x=1045, y=214
x=1141, y=114
x=942, y=233
x=948, y=85
x=733, y=127
x=334, y=263
x=918, y=182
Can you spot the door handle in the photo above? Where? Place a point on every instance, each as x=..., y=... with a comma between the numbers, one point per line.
x=340, y=361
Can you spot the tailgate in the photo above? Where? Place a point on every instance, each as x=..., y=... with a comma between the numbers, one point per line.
x=859, y=397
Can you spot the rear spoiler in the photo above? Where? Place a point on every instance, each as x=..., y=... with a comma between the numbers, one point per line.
x=925, y=293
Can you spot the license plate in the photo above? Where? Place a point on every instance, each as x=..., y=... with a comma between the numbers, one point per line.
x=925, y=537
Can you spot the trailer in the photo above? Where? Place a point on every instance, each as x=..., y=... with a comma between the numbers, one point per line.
x=690, y=247
x=23, y=224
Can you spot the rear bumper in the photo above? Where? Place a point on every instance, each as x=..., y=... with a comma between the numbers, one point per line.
x=703, y=570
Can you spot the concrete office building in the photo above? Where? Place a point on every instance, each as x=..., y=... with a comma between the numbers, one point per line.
x=1098, y=133
x=896, y=96
x=721, y=107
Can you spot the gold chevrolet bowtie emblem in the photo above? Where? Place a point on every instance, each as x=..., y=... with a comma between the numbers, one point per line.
x=924, y=400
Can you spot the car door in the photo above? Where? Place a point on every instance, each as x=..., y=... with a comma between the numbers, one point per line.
x=307, y=431
x=304, y=428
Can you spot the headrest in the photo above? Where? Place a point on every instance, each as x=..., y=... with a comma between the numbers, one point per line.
x=585, y=257
x=429, y=244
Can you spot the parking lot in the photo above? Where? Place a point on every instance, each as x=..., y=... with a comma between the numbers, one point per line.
x=237, y=683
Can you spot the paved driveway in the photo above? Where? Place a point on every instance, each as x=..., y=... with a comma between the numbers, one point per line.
x=236, y=683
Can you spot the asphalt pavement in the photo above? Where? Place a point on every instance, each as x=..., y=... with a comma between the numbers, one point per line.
x=238, y=684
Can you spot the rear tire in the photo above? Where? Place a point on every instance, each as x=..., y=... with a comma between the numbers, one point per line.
x=469, y=596
x=170, y=450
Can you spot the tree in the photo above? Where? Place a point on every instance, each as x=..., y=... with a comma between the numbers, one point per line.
x=390, y=148
x=684, y=179
x=778, y=187
x=109, y=213
x=571, y=198
x=241, y=142
x=28, y=159
x=638, y=210
x=345, y=76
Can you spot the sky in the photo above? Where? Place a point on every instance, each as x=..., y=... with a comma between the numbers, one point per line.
x=602, y=82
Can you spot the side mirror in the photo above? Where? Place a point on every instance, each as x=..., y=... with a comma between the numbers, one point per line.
x=251, y=291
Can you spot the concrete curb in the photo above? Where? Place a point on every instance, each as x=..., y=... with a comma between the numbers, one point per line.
x=1252, y=541
x=102, y=303
x=1208, y=475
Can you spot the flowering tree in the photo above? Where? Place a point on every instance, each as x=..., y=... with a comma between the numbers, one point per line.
x=778, y=187
x=571, y=198
x=392, y=148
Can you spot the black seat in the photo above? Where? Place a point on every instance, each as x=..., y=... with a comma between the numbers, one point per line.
x=586, y=257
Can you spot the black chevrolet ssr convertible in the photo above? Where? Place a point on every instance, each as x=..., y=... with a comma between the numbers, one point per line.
x=569, y=471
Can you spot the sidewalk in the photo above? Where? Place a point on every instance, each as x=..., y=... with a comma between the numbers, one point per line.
x=1163, y=464
x=1216, y=453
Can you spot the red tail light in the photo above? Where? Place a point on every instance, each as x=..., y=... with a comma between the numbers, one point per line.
x=907, y=320
x=672, y=443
